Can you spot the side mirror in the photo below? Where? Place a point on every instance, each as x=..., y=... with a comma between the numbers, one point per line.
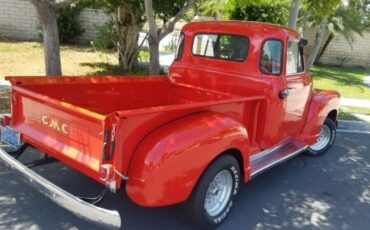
x=303, y=42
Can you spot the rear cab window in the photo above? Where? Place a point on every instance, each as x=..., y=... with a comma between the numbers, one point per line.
x=221, y=46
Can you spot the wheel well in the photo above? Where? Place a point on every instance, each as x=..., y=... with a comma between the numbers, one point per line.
x=238, y=156
x=333, y=115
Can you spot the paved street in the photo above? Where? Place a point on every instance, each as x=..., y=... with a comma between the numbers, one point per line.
x=328, y=192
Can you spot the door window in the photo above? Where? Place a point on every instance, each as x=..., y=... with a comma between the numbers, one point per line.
x=294, y=62
x=271, y=57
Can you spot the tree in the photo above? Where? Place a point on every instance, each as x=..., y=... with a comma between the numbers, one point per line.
x=214, y=8
x=318, y=40
x=259, y=10
x=362, y=7
x=293, y=16
x=47, y=12
x=347, y=20
x=306, y=22
x=320, y=11
x=69, y=25
x=170, y=13
x=128, y=19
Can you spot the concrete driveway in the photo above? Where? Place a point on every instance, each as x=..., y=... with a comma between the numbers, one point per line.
x=328, y=192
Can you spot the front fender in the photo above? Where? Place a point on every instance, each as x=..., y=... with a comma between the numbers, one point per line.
x=323, y=102
x=169, y=161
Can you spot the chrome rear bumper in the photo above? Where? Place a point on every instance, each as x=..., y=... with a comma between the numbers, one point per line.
x=104, y=218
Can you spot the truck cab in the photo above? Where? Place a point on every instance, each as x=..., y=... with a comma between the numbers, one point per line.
x=249, y=58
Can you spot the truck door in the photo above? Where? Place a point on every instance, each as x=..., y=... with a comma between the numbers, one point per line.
x=298, y=88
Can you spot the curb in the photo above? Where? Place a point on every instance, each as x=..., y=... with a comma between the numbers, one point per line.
x=352, y=131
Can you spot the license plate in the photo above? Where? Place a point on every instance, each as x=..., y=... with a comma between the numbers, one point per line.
x=10, y=136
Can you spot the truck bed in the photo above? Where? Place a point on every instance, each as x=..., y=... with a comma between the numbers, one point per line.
x=107, y=95
x=92, y=106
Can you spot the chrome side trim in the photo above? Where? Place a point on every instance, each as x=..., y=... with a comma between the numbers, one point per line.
x=279, y=161
x=104, y=218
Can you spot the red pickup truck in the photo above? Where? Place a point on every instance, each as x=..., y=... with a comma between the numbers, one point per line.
x=237, y=101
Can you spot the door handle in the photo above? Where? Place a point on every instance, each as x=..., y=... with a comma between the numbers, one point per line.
x=285, y=92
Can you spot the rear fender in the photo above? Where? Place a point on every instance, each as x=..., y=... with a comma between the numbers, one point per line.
x=169, y=161
x=322, y=103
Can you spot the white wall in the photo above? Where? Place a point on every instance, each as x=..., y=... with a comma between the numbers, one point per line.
x=339, y=48
x=18, y=20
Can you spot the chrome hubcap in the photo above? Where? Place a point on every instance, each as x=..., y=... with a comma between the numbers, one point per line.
x=323, y=139
x=218, y=193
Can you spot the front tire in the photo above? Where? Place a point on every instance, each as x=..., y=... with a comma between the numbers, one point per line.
x=325, y=140
x=212, y=199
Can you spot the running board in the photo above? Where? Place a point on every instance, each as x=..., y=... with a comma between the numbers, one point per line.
x=269, y=158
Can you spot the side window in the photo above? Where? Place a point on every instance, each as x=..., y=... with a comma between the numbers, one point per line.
x=227, y=47
x=294, y=62
x=180, y=47
x=271, y=56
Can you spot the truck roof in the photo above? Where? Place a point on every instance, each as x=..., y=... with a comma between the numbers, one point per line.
x=240, y=27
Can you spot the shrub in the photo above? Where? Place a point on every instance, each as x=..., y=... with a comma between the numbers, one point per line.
x=107, y=36
x=144, y=54
x=68, y=23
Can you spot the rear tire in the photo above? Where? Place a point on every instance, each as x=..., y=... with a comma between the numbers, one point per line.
x=325, y=140
x=212, y=198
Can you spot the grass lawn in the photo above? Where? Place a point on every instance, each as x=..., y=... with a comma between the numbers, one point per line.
x=344, y=115
x=360, y=110
x=27, y=59
x=347, y=81
x=346, y=112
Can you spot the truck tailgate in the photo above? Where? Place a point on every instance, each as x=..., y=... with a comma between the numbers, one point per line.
x=69, y=133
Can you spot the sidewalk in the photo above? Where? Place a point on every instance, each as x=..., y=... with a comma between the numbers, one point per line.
x=354, y=102
x=362, y=126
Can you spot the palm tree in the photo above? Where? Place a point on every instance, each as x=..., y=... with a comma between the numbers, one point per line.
x=345, y=21
x=214, y=8
x=293, y=16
